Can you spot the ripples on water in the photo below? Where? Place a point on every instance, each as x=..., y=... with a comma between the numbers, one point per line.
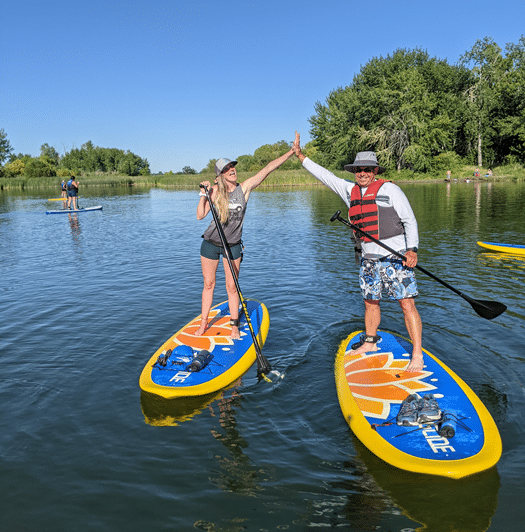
x=86, y=298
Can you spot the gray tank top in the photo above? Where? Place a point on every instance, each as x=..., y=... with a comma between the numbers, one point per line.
x=233, y=226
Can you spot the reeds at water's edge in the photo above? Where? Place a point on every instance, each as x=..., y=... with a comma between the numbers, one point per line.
x=277, y=178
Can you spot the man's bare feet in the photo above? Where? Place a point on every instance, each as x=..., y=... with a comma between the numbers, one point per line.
x=365, y=348
x=202, y=328
x=416, y=363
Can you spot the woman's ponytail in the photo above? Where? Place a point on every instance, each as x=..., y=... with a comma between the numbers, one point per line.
x=222, y=201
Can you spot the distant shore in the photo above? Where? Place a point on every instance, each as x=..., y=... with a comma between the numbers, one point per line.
x=284, y=178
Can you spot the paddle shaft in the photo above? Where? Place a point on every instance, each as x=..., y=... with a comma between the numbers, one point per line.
x=263, y=366
x=485, y=309
x=400, y=255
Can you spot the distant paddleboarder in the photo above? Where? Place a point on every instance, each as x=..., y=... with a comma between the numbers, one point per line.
x=72, y=192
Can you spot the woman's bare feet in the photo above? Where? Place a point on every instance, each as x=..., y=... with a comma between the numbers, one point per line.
x=203, y=327
x=235, y=335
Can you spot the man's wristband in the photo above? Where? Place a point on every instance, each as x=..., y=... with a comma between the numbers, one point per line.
x=414, y=249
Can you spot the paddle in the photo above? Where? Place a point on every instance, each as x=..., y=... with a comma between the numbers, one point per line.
x=263, y=366
x=486, y=309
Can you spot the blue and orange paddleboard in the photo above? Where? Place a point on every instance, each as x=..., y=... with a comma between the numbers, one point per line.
x=226, y=359
x=371, y=388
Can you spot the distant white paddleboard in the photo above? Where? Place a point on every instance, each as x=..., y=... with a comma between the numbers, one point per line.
x=71, y=211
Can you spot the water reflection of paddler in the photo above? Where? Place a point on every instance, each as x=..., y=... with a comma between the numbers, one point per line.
x=230, y=199
x=161, y=412
x=225, y=404
x=438, y=503
x=74, y=224
x=237, y=474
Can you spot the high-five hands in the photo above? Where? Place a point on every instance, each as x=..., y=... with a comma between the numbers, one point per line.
x=296, y=147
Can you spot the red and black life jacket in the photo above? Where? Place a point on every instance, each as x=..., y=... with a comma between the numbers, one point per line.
x=380, y=222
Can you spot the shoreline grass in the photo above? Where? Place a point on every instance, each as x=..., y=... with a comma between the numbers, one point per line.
x=278, y=178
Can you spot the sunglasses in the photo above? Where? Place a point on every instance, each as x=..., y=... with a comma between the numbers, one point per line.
x=367, y=169
x=227, y=168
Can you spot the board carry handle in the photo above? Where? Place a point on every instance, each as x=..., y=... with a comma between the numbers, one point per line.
x=263, y=366
x=486, y=309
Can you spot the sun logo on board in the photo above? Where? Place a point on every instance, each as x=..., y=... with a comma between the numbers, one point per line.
x=217, y=333
x=378, y=380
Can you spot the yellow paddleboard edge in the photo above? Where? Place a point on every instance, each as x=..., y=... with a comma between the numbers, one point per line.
x=502, y=248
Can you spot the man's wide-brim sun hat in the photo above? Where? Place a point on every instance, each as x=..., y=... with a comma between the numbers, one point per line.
x=221, y=164
x=364, y=158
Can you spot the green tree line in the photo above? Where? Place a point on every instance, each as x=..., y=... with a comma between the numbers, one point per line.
x=422, y=114
x=88, y=159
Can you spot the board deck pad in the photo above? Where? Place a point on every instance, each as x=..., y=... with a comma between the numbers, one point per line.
x=230, y=358
x=503, y=248
x=371, y=388
x=72, y=211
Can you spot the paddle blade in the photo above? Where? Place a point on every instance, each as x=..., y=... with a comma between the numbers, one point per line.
x=263, y=375
x=487, y=309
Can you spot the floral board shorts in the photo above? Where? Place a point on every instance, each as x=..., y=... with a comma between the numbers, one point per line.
x=387, y=274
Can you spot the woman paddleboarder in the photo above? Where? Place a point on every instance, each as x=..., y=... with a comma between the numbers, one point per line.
x=230, y=199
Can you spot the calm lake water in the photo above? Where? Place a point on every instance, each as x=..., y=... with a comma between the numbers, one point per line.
x=86, y=300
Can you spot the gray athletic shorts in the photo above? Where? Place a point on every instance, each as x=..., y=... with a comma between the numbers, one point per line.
x=213, y=252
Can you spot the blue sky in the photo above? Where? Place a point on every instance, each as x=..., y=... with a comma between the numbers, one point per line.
x=179, y=83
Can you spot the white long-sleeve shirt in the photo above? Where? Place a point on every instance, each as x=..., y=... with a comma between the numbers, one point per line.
x=390, y=195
